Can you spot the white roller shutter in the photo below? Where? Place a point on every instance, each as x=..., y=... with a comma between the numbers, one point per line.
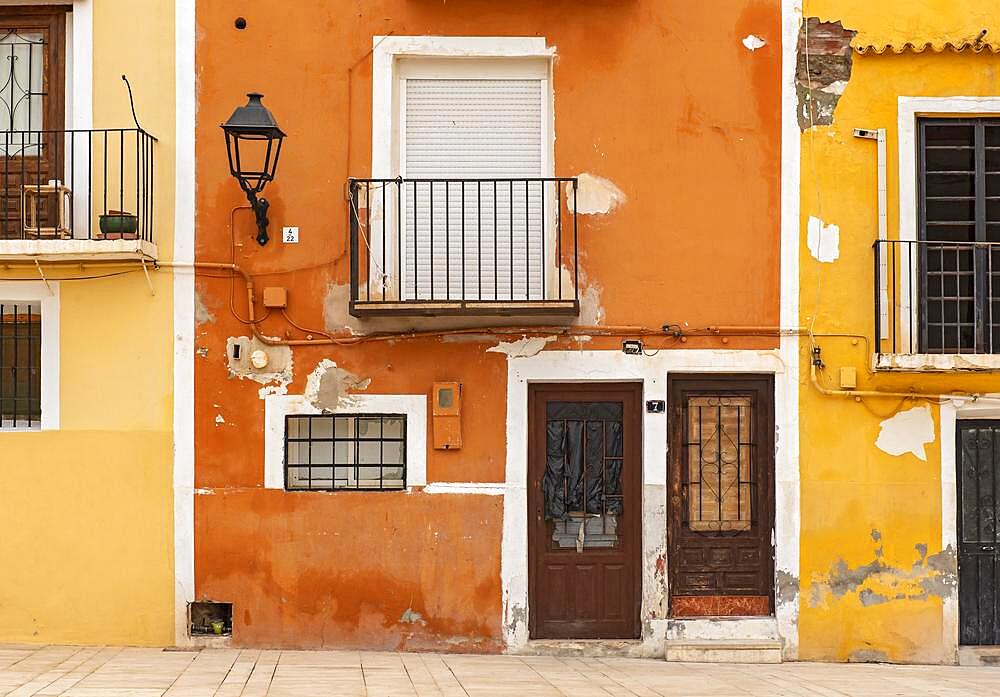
x=466, y=129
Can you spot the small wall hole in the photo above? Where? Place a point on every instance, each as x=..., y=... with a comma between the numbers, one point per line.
x=240, y=23
x=237, y=351
x=205, y=618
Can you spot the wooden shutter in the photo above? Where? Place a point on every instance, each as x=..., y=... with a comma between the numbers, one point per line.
x=473, y=129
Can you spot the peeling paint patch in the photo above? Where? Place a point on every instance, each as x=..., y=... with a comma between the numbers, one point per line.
x=328, y=387
x=877, y=583
x=523, y=348
x=752, y=42
x=823, y=69
x=594, y=195
x=907, y=432
x=868, y=656
x=823, y=241
x=202, y=315
x=786, y=587
x=219, y=419
x=410, y=616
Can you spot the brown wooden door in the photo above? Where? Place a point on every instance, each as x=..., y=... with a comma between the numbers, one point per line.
x=721, y=495
x=584, y=511
x=32, y=109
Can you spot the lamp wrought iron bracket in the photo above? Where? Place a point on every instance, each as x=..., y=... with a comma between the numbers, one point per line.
x=260, y=207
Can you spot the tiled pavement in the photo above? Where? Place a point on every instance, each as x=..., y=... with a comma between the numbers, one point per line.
x=111, y=672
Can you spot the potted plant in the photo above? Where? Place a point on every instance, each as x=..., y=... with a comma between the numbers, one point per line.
x=118, y=225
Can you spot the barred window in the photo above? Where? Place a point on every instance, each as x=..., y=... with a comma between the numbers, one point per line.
x=20, y=364
x=345, y=451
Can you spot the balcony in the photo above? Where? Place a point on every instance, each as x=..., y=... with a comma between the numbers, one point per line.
x=937, y=305
x=433, y=247
x=76, y=195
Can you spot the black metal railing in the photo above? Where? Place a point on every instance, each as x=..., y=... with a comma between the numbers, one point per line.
x=77, y=184
x=464, y=245
x=937, y=297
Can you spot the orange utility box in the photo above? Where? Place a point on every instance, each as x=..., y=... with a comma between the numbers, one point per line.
x=447, y=415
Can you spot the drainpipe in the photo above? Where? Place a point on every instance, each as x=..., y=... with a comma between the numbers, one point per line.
x=878, y=135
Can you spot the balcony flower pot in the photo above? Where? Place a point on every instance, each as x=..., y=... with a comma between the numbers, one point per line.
x=218, y=626
x=118, y=225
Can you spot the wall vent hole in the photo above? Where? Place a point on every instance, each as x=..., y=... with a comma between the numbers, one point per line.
x=237, y=350
x=210, y=618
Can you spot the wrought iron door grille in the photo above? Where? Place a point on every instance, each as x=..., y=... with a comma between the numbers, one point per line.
x=582, y=485
x=718, y=481
x=978, y=446
x=23, y=89
x=345, y=452
x=20, y=365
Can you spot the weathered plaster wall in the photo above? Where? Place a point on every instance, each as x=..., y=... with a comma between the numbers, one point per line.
x=675, y=122
x=878, y=578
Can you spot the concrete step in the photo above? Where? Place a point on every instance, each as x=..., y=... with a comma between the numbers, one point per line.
x=723, y=650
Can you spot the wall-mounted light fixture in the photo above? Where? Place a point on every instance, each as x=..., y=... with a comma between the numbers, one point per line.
x=253, y=142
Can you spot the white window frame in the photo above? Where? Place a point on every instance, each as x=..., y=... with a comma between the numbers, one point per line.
x=394, y=59
x=413, y=407
x=48, y=297
x=908, y=111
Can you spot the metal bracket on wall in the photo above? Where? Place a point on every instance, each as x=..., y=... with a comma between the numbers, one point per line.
x=145, y=270
x=44, y=280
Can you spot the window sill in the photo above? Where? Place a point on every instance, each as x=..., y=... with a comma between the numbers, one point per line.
x=937, y=362
x=59, y=250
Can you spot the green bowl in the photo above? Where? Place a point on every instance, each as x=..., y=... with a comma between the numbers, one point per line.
x=118, y=224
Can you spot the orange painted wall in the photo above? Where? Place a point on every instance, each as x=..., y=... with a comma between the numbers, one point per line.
x=658, y=96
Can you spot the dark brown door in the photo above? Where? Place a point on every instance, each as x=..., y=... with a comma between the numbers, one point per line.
x=721, y=500
x=32, y=108
x=584, y=511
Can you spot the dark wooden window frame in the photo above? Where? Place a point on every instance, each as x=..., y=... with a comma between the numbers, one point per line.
x=981, y=253
x=20, y=365
x=51, y=21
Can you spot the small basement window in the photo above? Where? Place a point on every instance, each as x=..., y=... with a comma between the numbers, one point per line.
x=20, y=364
x=340, y=451
x=211, y=618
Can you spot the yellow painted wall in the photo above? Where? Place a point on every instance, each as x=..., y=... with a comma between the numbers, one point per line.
x=859, y=502
x=86, y=512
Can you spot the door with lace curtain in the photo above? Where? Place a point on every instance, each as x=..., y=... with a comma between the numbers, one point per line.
x=720, y=506
x=584, y=511
x=32, y=112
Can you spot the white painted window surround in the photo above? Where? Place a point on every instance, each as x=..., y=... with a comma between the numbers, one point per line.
x=48, y=298
x=414, y=407
x=908, y=111
x=499, y=92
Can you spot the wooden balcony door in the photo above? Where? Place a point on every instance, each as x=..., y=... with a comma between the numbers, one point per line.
x=721, y=495
x=584, y=511
x=32, y=111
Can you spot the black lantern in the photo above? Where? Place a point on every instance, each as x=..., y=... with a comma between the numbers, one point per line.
x=253, y=141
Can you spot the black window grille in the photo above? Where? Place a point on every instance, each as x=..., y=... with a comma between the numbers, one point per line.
x=20, y=365
x=345, y=452
x=958, y=252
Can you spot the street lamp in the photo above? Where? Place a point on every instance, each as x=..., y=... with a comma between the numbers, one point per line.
x=253, y=143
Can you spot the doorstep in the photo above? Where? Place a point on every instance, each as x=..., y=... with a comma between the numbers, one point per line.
x=723, y=650
x=979, y=655
x=593, y=648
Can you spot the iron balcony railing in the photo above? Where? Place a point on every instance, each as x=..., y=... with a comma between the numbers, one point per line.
x=937, y=297
x=450, y=246
x=78, y=184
